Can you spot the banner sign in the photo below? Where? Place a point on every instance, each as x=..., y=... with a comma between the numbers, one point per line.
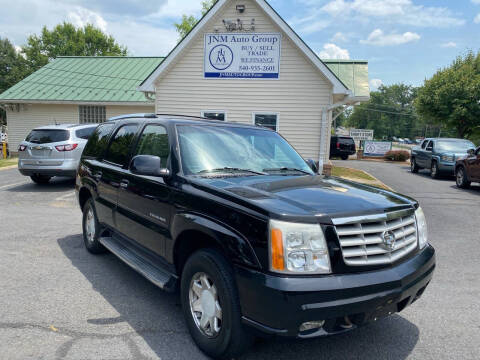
x=242, y=55
x=361, y=134
x=376, y=148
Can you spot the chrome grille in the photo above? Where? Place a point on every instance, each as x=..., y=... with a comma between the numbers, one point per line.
x=362, y=238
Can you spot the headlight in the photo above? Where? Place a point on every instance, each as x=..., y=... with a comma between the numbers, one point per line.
x=298, y=248
x=421, y=228
x=447, y=158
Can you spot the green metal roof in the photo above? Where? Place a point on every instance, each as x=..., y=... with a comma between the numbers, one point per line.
x=86, y=79
x=353, y=73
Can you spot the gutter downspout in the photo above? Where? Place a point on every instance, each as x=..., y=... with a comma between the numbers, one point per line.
x=326, y=129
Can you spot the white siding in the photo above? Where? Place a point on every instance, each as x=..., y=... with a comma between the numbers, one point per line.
x=117, y=110
x=298, y=96
x=21, y=122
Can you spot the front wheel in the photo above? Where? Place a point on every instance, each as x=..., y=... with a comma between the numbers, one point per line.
x=461, y=178
x=434, y=172
x=344, y=157
x=211, y=306
x=40, y=179
x=413, y=166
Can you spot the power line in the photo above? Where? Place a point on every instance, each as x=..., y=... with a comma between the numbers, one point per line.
x=387, y=112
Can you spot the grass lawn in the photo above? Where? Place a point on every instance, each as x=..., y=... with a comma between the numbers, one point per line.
x=8, y=162
x=351, y=173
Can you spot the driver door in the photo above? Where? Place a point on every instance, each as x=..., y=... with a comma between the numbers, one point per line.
x=143, y=208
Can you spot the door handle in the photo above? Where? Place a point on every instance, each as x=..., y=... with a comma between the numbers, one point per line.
x=97, y=176
x=124, y=184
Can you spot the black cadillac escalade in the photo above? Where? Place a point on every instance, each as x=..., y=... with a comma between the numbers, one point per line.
x=255, y=240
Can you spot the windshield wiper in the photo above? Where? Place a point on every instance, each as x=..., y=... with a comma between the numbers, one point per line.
x=287, y=169
x=231, y=169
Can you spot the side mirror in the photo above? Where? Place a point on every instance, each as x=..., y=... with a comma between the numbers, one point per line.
x=148, y=165
x=471, y=152
x=313, y=165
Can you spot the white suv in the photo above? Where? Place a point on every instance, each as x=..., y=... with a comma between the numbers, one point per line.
x=53, y=150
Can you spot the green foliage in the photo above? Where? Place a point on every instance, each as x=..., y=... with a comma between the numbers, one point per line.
x=452, y=96
x=389, y=112
x=397, y=155
x=67, y=40
x=12, y=69
x=189, y=21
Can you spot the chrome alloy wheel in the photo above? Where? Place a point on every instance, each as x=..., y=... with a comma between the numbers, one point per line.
x=90, y=225
x=460, y=175
x=204, y=305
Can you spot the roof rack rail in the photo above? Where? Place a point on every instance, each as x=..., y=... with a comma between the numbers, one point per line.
x=186, y=116
x=131, y=116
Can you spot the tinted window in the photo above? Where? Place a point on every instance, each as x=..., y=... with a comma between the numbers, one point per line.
x=429, y=145
x=154, y=141
x=47, y=136
x=98, y=141
x=85, y=133
x=346, y=140
x=120, y=146
x=424, y=144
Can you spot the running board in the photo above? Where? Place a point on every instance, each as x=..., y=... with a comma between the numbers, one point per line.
x=139, y=263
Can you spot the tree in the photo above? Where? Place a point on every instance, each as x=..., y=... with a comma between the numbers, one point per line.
x=12, y=69
x=452, y=96
x=189, y=21
x=67, y=40
x=389, y=112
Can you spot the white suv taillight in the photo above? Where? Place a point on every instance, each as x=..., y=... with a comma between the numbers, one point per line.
x=68, y=147
x=22, y=148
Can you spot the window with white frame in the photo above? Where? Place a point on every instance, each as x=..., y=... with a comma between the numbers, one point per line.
x=215, y=115
x=268, y=120
x=90, y=114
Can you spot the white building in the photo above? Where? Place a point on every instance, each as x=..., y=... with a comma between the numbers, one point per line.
x=243, y=63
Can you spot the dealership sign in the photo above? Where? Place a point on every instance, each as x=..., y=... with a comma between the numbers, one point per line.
x=361, y=134
x=244, y=56
x=376, y=148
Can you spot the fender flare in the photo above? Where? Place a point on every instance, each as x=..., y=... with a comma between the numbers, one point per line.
x=232, y=243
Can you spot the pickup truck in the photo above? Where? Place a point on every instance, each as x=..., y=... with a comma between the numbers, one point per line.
x=439, y=155
x=252, y=237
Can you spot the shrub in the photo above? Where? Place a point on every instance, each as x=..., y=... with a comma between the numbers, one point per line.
x=397, y=155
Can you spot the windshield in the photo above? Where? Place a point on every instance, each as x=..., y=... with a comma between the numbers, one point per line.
x=453, y=145
x=205, y=148
x=47, y=136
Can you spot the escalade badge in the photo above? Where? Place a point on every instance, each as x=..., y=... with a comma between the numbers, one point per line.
x=388, y=239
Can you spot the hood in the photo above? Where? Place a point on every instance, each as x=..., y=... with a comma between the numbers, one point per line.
x=307, y=196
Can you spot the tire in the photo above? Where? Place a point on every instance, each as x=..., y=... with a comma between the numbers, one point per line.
x=461, y=178
x=434, y=172
x=230, y=339
x=413, y=166
x=344, y=157
x=91, y=235
x=40, y=179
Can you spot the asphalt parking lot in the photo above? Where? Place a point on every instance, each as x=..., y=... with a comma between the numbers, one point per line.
x=58, y=301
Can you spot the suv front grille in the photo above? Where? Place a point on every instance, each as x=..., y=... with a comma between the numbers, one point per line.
x=367, y=240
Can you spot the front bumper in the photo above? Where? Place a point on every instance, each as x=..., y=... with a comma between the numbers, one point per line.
x=446, y=167
x=278, y=305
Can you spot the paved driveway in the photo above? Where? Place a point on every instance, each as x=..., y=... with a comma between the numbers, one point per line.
x=58, y=301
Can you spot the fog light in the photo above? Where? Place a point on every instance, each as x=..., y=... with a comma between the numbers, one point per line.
x=309, y=325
